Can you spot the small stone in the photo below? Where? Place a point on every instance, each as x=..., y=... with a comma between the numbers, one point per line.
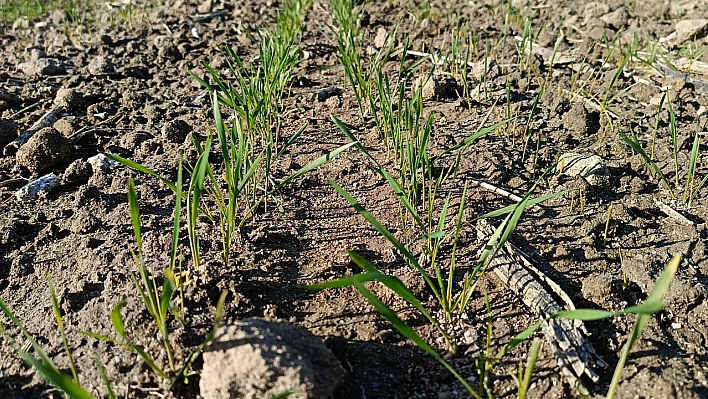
x=176, y=131
x=380, y=38
x=43, y=151
x=326, y=93
x=42, y=66
x=205, y=7
x=8, y=132
x=484, y=70
x=35, y=53
x=32, y=190
x=255, y=358
x=431, y=90
x=58, y=17
x=690, y=29
x=20, y=24
x=100, y=65
x=590, y=167
x=101, y=163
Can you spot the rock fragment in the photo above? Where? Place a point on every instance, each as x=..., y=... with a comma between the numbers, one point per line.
x=690, y=29
x=31, y=191
x=380, y=38
x=256, y=358
x=432, y=88
x=43, y=151
x=590, y=167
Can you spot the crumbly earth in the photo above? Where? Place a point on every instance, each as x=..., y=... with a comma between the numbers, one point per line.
x=606, y=250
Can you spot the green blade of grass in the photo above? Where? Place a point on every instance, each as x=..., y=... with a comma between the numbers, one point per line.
x=117, y=319
x=104, y=378
x=638, y=148
x=387, y=234
x=140, y=168
x=314, y=165
x=44, y=365
x=656, y=295
x=135, y=215
x=60, y=324
x=584, y=314
x=176, y=215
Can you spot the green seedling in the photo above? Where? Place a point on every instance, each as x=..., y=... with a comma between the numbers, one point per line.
x=157, y=300
x=653, y=304
x=691, y=187
x=373, y=274
x=40, y=361
x=607, y=225
x=634, y=144
x=60, y=324
x=656, y=124
x=674, y=140
x=186, y=371
x=525, y=373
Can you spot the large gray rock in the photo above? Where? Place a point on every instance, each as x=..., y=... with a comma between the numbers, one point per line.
x=255, y=358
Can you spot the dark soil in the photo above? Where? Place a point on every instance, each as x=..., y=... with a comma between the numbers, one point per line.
x=135, y=85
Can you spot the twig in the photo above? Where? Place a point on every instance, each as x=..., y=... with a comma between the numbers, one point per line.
x=575, y=355
x=25, y=109
x=673, y=214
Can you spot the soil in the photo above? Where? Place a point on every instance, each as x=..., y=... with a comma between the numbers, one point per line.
x=606, y=251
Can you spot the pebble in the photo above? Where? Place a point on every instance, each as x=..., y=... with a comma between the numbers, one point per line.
x=31, y=191
x=590, y=167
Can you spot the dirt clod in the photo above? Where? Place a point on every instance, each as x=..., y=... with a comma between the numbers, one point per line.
x=255, y=358
x=77, y=173
x=100, y=65
x=8, y=132
x=42, y=66
x=70, y=99
x=43, y=151
x=176, y=131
